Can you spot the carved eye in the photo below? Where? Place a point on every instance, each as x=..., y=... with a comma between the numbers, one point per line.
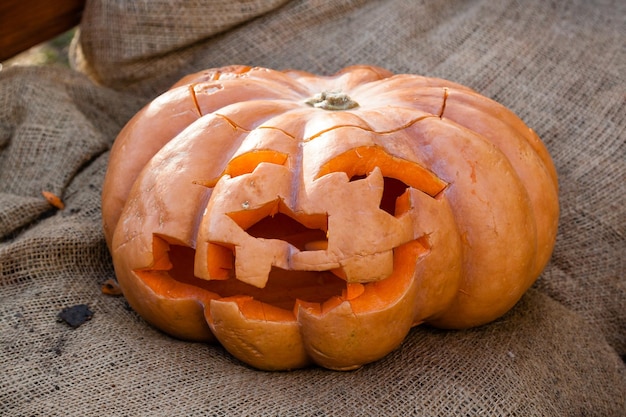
x=247, y=162
x=398, y=174
x=362, y=160
x=392, y=189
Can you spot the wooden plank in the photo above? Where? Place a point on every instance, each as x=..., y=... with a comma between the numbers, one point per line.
x=26, y=23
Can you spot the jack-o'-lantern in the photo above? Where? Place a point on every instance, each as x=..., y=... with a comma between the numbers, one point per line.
x=302, y=219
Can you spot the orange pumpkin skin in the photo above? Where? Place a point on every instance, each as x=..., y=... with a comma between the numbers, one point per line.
x=301, y=219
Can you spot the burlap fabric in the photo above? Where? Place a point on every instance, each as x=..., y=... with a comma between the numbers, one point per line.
x=559, y=65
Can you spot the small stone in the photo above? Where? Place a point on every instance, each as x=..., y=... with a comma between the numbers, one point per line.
x=76, y=315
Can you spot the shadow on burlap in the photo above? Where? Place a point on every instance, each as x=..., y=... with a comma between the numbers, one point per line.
x=560, y=67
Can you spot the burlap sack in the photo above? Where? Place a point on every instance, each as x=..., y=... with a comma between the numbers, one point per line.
x=560, y=66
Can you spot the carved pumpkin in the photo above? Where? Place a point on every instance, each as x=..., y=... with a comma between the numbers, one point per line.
x=301, y=219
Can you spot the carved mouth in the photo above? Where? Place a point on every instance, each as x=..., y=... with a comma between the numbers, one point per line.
x=284, y=288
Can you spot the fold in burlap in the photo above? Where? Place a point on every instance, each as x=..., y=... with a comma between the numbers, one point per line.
x=559, y=66
x=128, y=42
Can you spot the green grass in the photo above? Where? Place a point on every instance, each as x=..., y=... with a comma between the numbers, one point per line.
x=52, y=52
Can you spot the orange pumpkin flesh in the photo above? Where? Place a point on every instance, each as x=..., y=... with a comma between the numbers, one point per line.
x=299, y=219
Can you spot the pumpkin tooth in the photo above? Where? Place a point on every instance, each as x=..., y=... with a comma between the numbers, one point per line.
x=340, y=273
x=259, y=335
x=353, y=290
x=368, y=267
x=342, y=339
x=316, y=245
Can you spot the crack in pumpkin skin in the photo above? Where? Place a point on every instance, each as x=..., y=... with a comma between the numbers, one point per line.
x=399, y=118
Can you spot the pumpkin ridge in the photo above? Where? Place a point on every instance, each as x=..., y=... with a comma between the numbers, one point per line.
x=522, y=149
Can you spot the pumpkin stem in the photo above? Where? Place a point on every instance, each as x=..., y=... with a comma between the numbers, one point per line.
x=332, y=101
